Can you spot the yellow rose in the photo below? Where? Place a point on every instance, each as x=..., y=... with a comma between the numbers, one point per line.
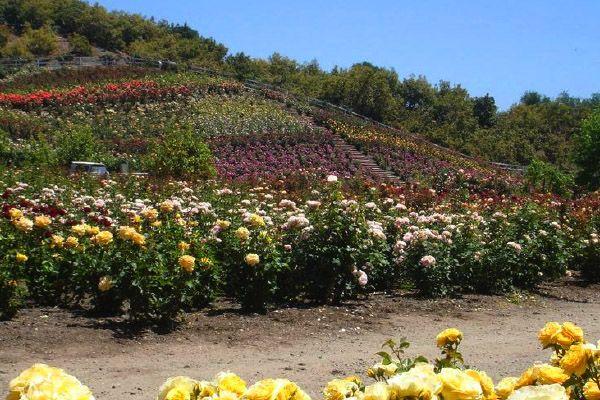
x=183, y=246
x=206, y=389
x=548, y=374
x=56, y=241
x=138, y=239
x=377, y=391
x=457, y=385
x=547, y=334
x=527, y=378
x=126, y=232
x=23, y=224
x=569, y=333
x=230, y=382
x=340, y=389
x=15, y=213
x=178, y=393
x=252, y=259
x=543, y=392
x=92, y=230
x=506, y=386
x=256, y=221
x=448, y=336
x=591, y=391
x=21, y=258
x=79, y=230
x=386, y=370
x=486, y=383
x=103, y=238
x=176, y=388
x=156, y=224
x=223, y=224
x=42, y=221
x=225, y=395
x=150, y=214
x=274, y=389
x=105, y=284
x=187, y=263
x=419, y=381
x=71, y=242
x=42, y=382
x=575, y=360
x=242, y=233
x=167, y=206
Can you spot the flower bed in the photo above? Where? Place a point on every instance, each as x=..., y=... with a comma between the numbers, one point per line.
x=270, y=157
x=571, y=373
x=156, y=248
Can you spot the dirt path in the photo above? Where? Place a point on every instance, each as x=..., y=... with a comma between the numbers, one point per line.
x=309, y=346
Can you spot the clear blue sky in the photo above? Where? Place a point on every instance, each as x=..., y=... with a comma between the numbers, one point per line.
x=503, y=47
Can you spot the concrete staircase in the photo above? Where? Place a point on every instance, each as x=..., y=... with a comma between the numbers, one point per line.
x=366, y=162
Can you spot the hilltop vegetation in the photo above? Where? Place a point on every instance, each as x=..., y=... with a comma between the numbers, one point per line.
x=534, y=128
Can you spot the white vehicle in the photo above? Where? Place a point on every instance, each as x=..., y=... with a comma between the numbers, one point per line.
x=88, y=168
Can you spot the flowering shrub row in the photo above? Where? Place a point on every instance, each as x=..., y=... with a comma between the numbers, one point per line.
x=46, y=78
x=572, y=373
x=129, y=91
x=155, y=248
x=270, y=157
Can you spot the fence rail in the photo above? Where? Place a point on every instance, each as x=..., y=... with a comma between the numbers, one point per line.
x=81, y=62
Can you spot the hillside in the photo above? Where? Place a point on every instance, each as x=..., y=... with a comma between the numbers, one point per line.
x=534, y=128
x=122, y=114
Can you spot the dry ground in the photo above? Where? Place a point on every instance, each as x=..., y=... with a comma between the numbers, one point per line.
x=307, y=345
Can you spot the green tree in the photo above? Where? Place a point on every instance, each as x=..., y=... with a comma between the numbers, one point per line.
x=40, y=42
x=181, y=153
x=80, y=45
x=531, y=98
x=4, y=35
x=484, y=109
x=587, y=152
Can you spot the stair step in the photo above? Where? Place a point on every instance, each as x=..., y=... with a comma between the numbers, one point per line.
x=365, y=161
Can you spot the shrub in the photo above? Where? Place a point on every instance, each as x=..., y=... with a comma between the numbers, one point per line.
x=547, y=178
x=80, y=45
x=181, y=153
x=78, y=143
x=12, y=295
x=587, y=152
x=40, y=42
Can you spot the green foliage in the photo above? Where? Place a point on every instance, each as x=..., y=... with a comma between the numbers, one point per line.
x=587, y=152
x=4, y=36
x=364, y=88
x=80, y=45
x=181, y=153
x=78, y=143
x=40, y=42
x=547, y=178
x=12, y=295
x=485, y=110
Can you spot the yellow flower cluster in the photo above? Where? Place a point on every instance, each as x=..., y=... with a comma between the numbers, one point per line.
x=42, y=382
x=187, y=263
x=555, y=334
x=229, y=386
x=131, y=234
x=574, y=363
x=448, y=337
x=573, y=373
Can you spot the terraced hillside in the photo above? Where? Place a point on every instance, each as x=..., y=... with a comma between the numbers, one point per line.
x=253, y=134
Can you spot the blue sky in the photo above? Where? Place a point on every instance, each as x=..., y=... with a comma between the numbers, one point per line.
x=501, y=47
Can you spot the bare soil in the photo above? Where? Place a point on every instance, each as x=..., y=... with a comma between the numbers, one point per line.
x=309, y=345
